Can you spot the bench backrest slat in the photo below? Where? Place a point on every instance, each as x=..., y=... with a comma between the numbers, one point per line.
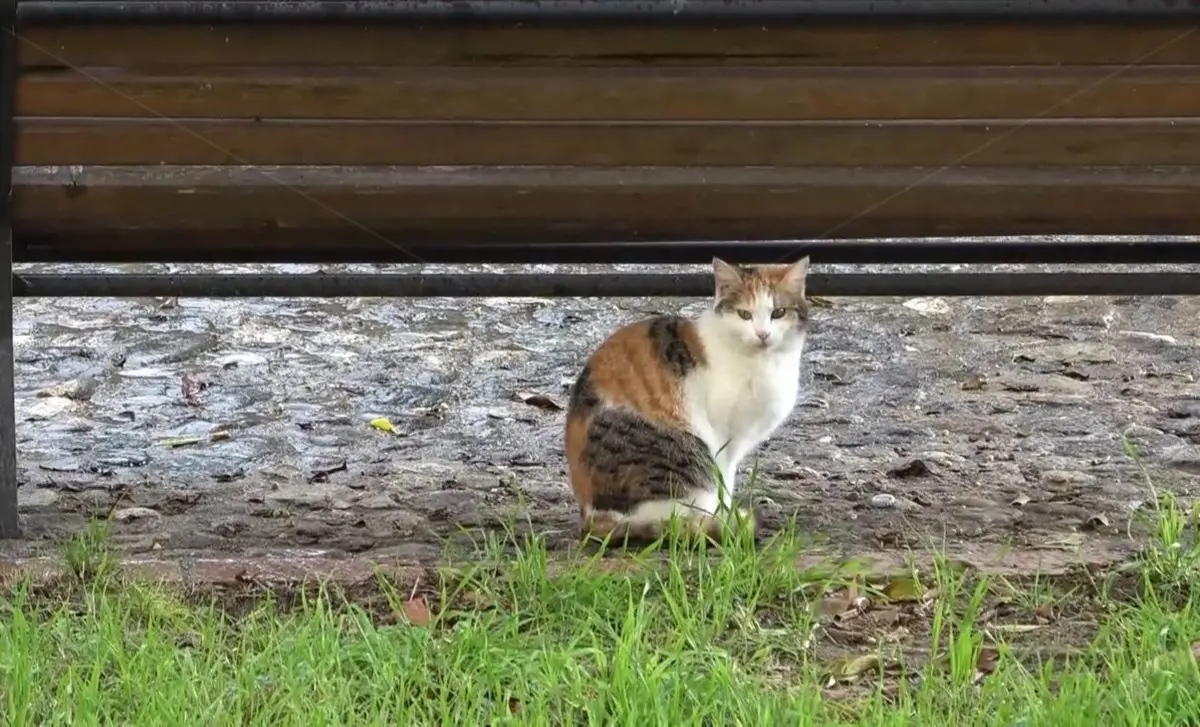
x=371, y=142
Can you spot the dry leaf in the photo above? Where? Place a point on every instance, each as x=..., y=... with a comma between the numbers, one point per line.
x=1014, y=628
x=853, y=667
x=383, y=424
x=903, y=590
x=321, y=473
x=514, y=705
x=974, y=382
x=985, y=663
x=1095, y=522
x=541, y=401
x=853, y=609
x=417, y=612
x=191, y=388
x=818, y=302
x=854, y=588
x=835, y=606
x=1019, y=501
x=219, y=436
x=896, y=635
x=883, y=618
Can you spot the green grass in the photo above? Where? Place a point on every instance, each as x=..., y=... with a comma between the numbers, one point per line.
x=676, y=637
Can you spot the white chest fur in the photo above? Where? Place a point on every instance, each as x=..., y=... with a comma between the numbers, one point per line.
x=739, y=399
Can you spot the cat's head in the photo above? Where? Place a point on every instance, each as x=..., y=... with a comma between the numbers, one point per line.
x=762, y=308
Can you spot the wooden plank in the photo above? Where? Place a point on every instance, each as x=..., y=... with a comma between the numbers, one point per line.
x=388, y=206
x=622, y=94
x=815, y=45
x=988, y=142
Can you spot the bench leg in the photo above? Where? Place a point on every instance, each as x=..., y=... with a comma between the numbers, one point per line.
x=8, y=425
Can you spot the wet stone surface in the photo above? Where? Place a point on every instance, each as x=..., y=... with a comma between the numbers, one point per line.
x=244, y=425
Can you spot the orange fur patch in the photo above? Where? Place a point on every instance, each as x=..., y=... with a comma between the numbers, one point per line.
x=580, y=473
x=626, y=371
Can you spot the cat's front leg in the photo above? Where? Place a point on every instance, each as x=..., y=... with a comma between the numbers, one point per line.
x=727, y=476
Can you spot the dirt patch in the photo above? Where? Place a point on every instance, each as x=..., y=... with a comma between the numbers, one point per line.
x=960, y=424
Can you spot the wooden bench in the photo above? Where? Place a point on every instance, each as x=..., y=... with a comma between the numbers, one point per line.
x=595, y=131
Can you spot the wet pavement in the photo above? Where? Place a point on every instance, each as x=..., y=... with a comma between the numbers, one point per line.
x=245, y=425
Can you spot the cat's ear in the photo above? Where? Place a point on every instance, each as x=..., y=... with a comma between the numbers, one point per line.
x=794, y=277
x=728, y=278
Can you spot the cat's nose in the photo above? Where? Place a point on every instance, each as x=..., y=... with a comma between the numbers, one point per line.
x=763, y=335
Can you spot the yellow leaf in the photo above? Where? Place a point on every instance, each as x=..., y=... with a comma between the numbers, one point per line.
x=854, y=666
x=905, y=589
x=383, y=424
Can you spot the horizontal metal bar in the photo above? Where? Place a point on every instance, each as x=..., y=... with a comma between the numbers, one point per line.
x=674, y=11
x=930, y=251
x=608, y=285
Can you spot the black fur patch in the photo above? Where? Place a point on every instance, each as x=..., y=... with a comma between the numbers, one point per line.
x=583, y=392
x=633, y=461
x=667, y=334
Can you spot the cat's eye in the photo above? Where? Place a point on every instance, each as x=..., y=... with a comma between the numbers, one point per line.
x=744, y=315
x=778, y=313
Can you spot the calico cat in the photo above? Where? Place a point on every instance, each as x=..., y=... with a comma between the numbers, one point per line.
x=666, y=408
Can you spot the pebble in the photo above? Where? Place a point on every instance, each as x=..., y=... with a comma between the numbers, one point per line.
x=407, y=523
x=131, y=514
x=883, y=500
x=1141, y=431
x=39, y=499
x=46, y=408
x=60, y=465
x=1143, y=437
x=944, y=459
x=376, y=501
x=912, y=468
x=230, y=526
x=1067, y=477
x=296, y=495
x=1070, y=353
x=241, y=359
x=928, y=306
x=1160, y=337
x=1184, y=459
x=147, y=372
x=76, y=389
x=1184, y=409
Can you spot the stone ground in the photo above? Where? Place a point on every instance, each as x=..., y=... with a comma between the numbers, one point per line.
x=989, y=427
